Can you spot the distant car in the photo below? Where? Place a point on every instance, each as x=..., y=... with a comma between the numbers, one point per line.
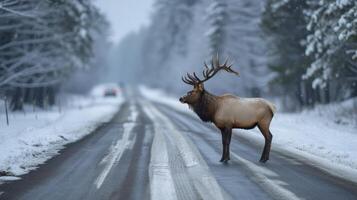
x=110, y=92
x=106, y=90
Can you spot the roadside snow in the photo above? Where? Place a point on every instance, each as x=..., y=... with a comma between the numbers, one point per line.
x=36, y=136
x=315, y=135
x=318, y=135
x=161, y=97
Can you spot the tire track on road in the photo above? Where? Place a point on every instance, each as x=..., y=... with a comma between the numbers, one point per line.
x=116, y=151
x=134, y=176
x=192, y=180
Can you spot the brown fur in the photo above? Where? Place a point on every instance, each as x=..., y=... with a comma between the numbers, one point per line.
x=206, y=107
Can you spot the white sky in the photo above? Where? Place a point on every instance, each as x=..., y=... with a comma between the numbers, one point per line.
x=125, y=16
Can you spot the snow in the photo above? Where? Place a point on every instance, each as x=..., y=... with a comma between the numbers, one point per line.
x=323, y=132
x=9, y=178
x=315, y=135
x=35, y=136
x=325, y=135
x=276, y=6
x=342, y=3
x=162, y=97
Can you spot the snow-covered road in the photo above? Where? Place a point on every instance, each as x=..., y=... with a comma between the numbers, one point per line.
x=33, y=137
x=152, y=151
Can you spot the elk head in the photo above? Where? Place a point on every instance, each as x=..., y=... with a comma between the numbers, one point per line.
x=195, y=95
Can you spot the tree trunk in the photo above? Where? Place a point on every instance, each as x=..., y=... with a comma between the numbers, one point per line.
x=17, y=100
x=51, y=96
x=6, y=112
x=39, y=97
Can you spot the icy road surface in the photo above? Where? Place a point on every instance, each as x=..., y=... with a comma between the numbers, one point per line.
x=151, y=151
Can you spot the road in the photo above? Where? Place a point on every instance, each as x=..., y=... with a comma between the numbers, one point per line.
x=151, y=151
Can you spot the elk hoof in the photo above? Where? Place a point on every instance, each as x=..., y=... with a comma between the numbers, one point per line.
x=263, y=160
x=224, y=160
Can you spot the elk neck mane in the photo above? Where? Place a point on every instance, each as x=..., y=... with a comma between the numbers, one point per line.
x=206, y=107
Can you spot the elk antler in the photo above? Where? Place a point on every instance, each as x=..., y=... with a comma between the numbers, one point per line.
x=191, y=80
x=209, y=72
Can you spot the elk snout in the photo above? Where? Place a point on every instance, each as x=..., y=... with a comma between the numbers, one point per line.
x=182, y=99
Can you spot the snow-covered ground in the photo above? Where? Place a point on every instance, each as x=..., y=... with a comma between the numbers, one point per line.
x=34, y=136
x=326, y=135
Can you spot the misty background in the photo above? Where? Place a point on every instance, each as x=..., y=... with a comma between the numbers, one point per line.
x=298, y=52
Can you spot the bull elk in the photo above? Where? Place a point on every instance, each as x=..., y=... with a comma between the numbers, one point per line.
x=228, y=111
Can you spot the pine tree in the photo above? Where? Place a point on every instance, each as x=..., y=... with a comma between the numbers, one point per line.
x=284, y=25
x=217, y=17
x=332, y=44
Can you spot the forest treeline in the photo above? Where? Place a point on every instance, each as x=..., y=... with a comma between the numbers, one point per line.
x=42, y=43
x=301, y=51
x=304, y=51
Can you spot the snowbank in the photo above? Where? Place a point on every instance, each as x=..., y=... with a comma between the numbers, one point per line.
x=322, y=135
x=164, y=98
x=35, y=136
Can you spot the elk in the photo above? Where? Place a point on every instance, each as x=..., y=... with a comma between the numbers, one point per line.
x=227, y=112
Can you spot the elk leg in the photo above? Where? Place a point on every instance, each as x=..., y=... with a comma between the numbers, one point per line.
x=226, y=137
x=229, y=136
x=223, y=132
x=269, y=145
x=268, y=138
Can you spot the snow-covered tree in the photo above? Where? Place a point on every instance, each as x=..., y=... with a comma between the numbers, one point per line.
x=332, y=42
x=247, y=48
x=313, y=45
x=42, y=42
x=284, y=26
x=167, y=37
x=217, y=18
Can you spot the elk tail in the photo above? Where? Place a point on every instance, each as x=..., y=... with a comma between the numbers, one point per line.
x=272, y=107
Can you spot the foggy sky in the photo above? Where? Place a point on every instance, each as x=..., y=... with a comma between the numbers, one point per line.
x=125, y=15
